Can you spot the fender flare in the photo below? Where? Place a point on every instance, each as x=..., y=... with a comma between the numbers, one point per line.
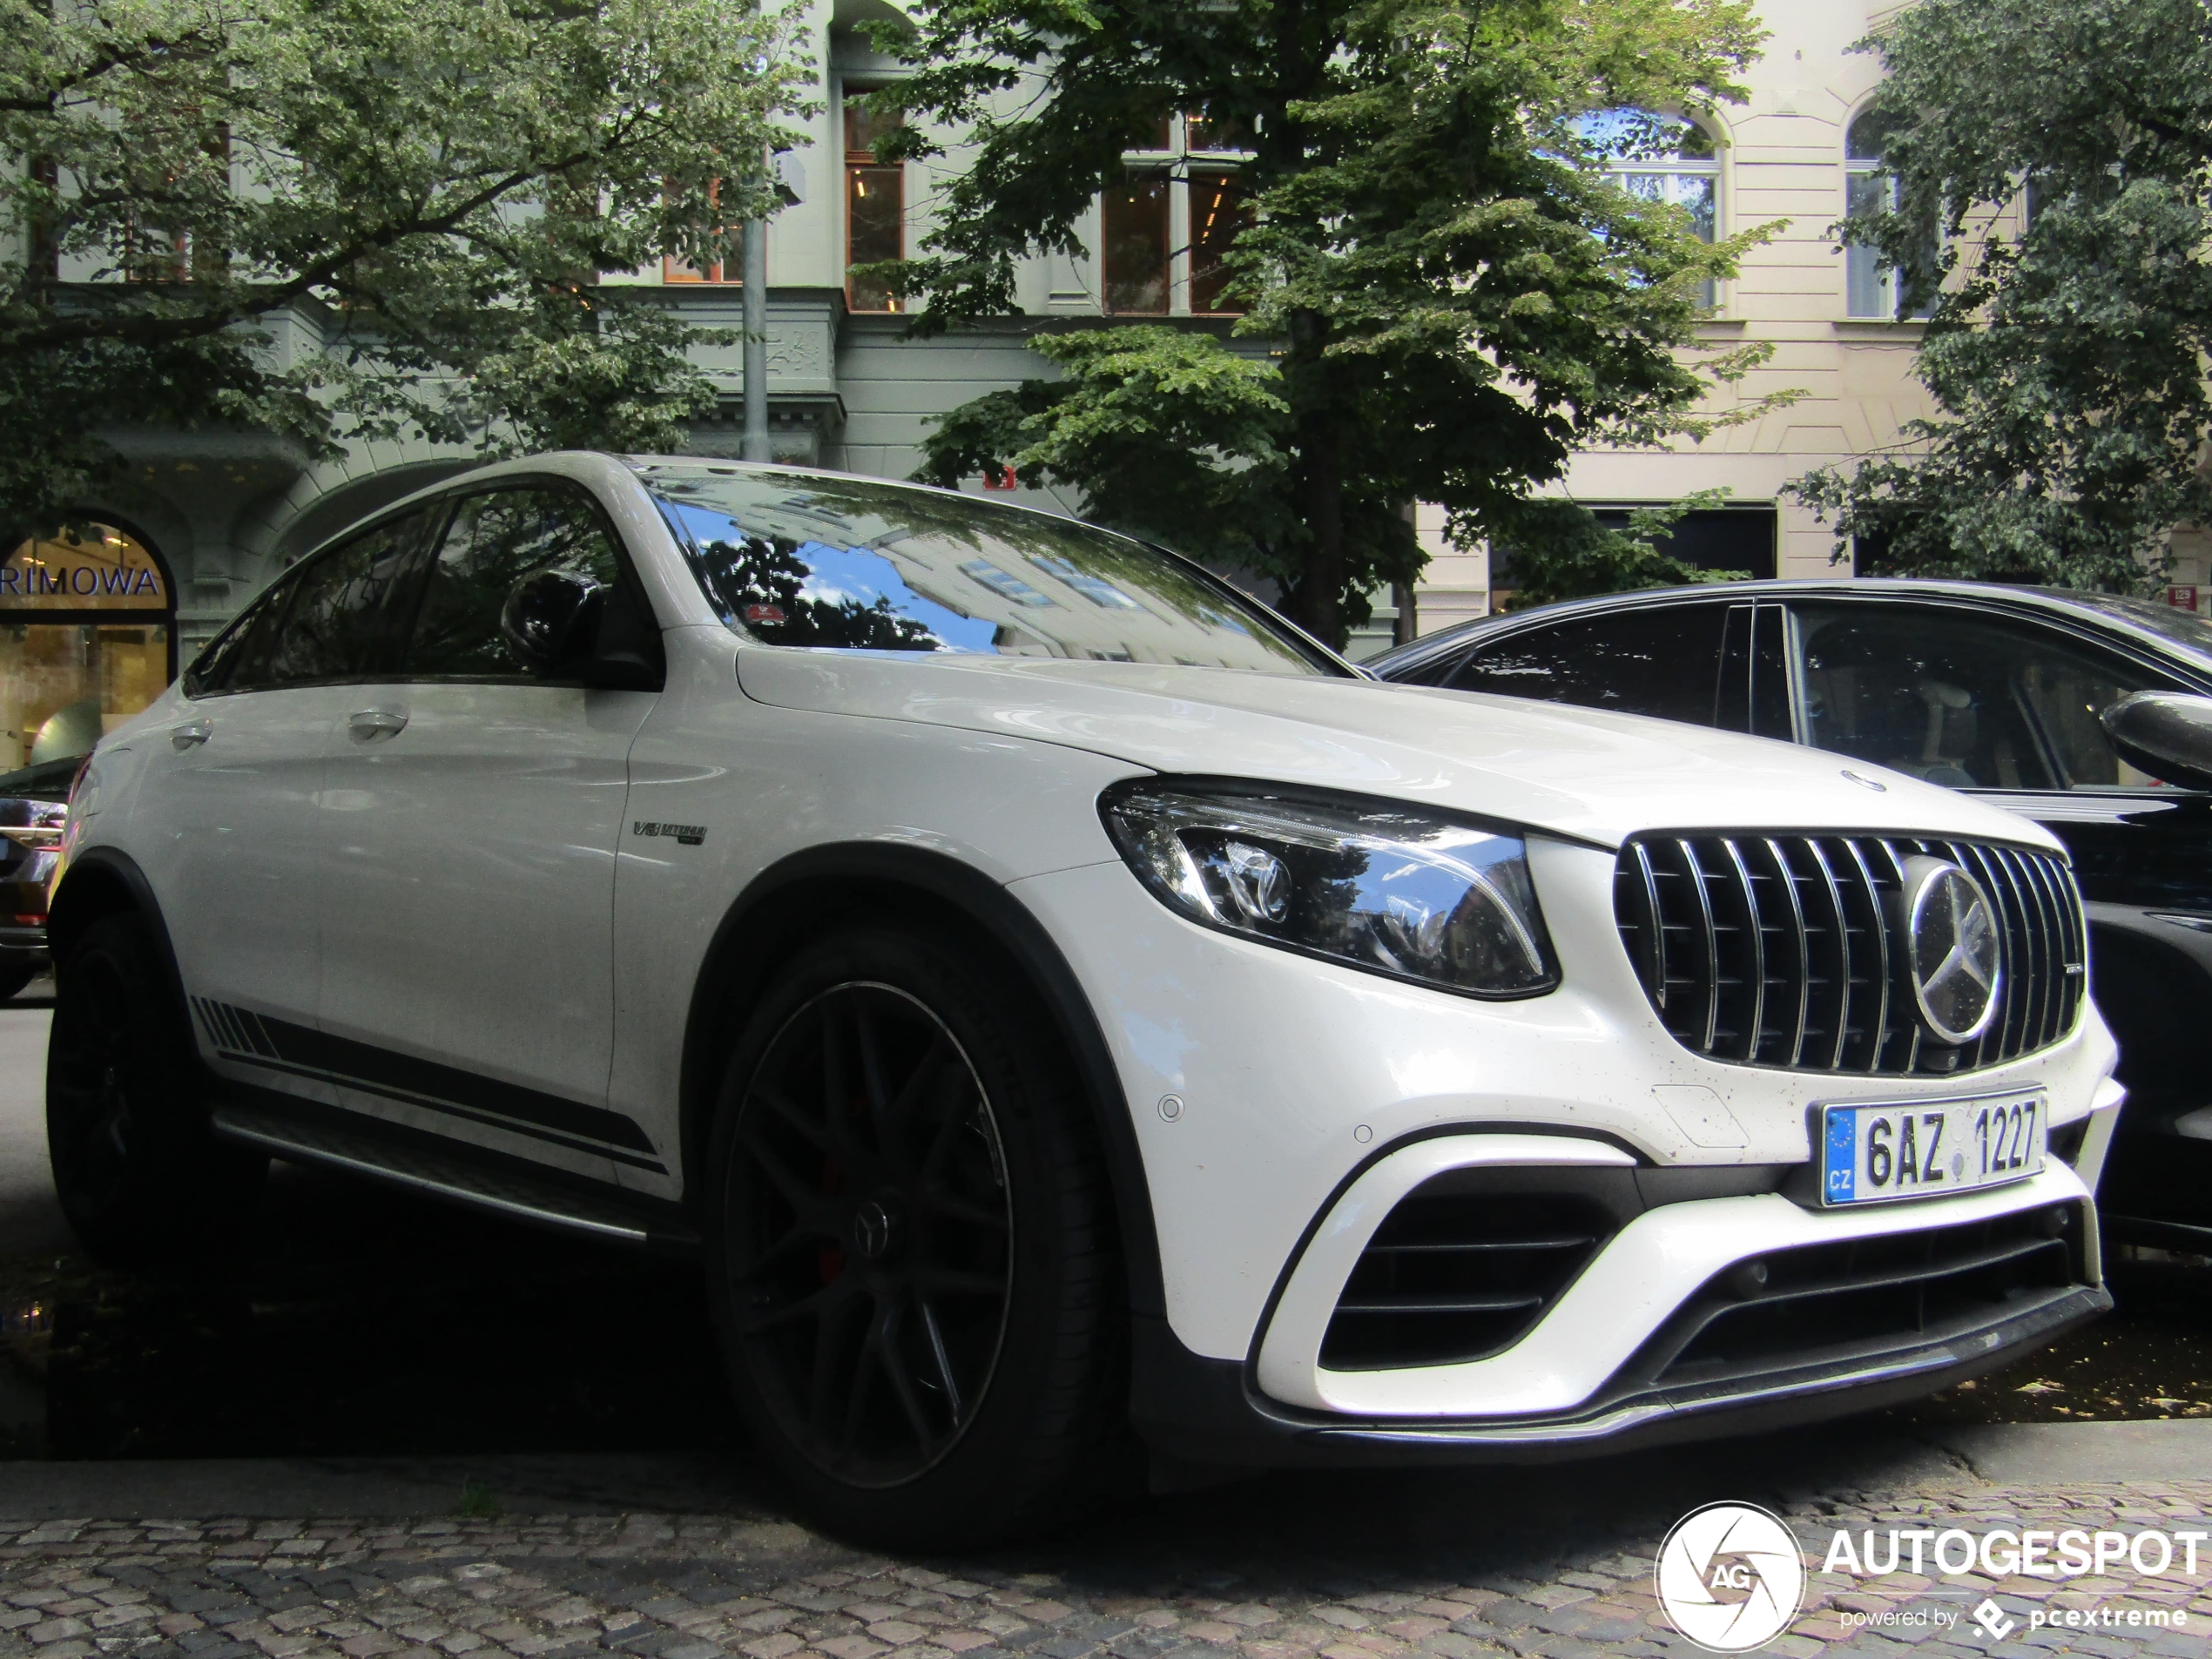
x=96, y=878
x=766, y=909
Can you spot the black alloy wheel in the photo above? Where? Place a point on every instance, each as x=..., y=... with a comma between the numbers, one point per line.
x=91, y=1131
x=871, y=1272
x=140, y=1176
x=911, y=1248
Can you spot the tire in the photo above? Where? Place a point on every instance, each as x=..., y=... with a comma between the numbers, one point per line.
x=12, y=979
x=910, y=1250
x=140, y=1177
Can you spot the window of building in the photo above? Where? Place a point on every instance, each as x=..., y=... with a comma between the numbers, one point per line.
x=1682, y=167
x=1870, y=285
x=87, y=631
x=1163, y=234
x=875, y=205
x=732, y=270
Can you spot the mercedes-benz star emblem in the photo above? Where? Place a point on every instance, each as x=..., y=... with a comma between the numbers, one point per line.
x=1958, y=959
x=872, y=1229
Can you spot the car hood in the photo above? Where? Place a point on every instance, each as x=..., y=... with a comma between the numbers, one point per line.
x=1576, y=772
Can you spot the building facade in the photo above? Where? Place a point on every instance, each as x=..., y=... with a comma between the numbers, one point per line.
x=203, y=520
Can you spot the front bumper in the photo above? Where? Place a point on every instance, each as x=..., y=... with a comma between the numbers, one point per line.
x=23, y=946
x=1208, y=1412
x=1282, y=1106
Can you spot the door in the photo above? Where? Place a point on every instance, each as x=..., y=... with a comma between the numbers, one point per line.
x=2007, y=708
x=229, y=831
x=471, y=815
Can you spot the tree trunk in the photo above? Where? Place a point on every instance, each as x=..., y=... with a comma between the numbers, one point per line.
x=1317, y=601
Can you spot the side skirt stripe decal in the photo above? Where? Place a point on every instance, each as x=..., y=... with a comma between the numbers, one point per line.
x=450, y=1109
x=279, y=1045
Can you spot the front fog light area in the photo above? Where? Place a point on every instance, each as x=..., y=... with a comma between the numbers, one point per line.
x=1381, y=887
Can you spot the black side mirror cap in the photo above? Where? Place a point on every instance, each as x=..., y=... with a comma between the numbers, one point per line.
x=2168, y=734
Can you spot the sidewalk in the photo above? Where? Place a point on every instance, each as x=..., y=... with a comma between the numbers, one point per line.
x=676, y=1558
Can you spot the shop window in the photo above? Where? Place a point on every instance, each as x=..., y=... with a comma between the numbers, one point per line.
x=875, y=205
x=1870, y=286
x=1163, y=234
x=1680, y=166
x=87, y=629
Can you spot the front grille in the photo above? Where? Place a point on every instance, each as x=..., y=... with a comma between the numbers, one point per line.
x=1451, y=1276
x=1790, y=951
x=1821, y=1302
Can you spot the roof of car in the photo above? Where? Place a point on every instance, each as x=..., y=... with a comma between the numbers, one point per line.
x=2151, y=626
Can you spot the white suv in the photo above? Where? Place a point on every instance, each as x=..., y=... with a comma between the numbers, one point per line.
x=1051, y=995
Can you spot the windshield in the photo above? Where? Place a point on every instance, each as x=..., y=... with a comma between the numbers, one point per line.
x=844, y=563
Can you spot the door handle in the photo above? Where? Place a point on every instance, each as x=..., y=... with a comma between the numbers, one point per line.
x=371, y=726
x=182, y=737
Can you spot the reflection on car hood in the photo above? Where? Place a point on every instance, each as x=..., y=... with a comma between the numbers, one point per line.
x=1574, y=772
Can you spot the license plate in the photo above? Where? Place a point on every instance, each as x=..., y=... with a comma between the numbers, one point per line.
x=1875, y=1154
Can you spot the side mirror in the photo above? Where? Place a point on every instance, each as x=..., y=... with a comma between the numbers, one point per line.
x=550, y=621
x=2165, y=734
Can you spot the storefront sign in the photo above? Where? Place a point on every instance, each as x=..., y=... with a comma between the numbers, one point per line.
x=107, y=571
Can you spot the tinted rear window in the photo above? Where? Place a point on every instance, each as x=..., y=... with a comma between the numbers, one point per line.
x=851, y=564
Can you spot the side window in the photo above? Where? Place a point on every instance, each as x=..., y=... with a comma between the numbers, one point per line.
x=236, y=659
x=332, y=619
x=1967, y=701
x=339, y=624
x=2066, y=688
x=494, y=539
x=1662, y=661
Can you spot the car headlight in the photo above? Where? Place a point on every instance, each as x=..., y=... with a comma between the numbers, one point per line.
x=1379, y=885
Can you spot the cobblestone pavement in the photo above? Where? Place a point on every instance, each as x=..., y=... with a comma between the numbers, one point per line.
x=1549, y=1564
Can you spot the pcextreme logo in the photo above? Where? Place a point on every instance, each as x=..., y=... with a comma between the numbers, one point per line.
x=1731, y=1577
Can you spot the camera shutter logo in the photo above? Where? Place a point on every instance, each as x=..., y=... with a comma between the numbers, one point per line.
x=1731, y=1577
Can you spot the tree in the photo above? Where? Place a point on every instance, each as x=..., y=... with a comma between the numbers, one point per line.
x=435, y=188
x=1445, y=294
x=2067, y=360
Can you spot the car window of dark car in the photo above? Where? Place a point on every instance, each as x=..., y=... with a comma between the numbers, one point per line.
x=1660, y=661
x=1967, y=701
x=494, y=539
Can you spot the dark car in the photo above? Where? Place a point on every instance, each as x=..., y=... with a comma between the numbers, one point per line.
x=1995, y=690
x=33, y=803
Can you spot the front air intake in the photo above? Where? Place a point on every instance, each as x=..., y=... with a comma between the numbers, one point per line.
x=1790, y=951
x=1455, y=1274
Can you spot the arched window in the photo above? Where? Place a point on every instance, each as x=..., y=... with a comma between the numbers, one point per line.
x=87, y=639
x=1870, y=288
x=1663, y=159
